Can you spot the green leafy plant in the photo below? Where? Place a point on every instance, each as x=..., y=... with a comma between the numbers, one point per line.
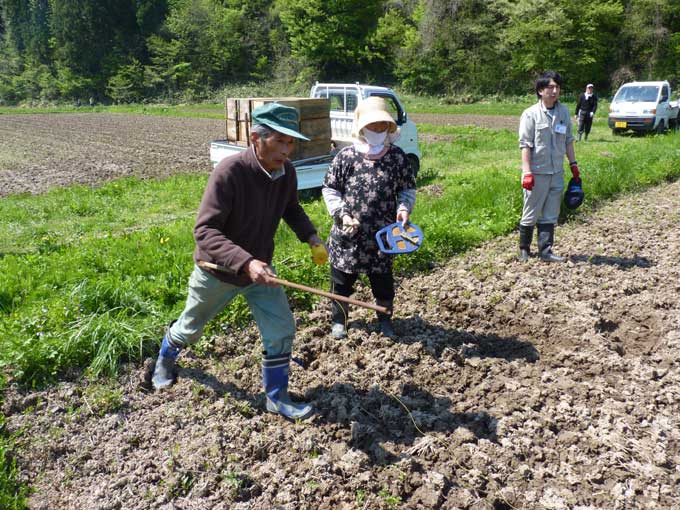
x=390, y=500
x=360, y=499
x=12, y=495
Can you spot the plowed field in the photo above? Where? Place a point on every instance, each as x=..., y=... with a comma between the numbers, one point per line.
x=511, y=386
x=41, y=151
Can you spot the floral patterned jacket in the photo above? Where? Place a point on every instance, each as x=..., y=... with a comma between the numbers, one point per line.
x=369, y=190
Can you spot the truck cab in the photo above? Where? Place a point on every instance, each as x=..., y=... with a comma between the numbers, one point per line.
x=344, y=98
x=643, y=106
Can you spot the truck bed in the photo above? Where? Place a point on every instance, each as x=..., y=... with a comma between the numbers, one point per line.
x=310, y=172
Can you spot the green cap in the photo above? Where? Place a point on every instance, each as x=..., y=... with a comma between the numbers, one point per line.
x=281, y=118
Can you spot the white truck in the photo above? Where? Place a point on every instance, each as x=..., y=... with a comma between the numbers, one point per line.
x=643, y=106
x=343, y=98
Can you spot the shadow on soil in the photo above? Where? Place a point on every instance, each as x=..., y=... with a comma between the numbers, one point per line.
x=446, y=344
x=621, y=262
x=385, y=426
x=382, y=425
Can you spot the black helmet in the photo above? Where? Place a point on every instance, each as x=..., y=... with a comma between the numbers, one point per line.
x=574, y=195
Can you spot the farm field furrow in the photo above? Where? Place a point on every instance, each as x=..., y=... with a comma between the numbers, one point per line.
x=57, y=150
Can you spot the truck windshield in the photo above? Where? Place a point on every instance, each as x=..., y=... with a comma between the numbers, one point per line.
x=342, y=100
x=642, y=93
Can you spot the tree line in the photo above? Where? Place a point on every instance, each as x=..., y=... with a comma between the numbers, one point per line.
x=131, y=50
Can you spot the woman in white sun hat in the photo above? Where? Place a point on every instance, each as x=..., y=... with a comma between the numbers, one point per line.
x=369, y=185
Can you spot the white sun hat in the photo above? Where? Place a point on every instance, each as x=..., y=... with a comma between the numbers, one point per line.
x=372, y=109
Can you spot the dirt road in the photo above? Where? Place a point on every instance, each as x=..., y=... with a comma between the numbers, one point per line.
x=511, y=386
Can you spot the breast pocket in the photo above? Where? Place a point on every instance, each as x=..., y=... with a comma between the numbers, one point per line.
x=543, y=135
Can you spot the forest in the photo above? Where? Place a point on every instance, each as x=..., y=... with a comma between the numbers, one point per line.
x=136, y=50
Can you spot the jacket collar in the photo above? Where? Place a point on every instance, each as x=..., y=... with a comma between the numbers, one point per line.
x=251, y=158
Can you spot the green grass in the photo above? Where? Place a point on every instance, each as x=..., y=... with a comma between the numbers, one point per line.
x=417, y=104
x=215, y=110
x=65, y=216
x=214, y=107
x=89, y=291
x=208, y=110
x=12, y=495
x=477, y=147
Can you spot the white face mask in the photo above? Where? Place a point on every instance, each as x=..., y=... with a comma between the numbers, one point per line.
x=373, y=138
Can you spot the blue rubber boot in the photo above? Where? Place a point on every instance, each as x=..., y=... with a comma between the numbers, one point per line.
x=275, y=379
x=165, y=373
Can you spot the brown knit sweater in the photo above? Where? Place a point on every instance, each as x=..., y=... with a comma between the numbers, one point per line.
x=240, y=212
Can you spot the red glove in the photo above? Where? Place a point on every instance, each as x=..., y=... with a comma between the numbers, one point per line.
x=574, y=171
x=528, y=181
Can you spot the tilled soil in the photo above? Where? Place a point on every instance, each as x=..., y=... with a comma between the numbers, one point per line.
x=38, y=152
x=528, y=386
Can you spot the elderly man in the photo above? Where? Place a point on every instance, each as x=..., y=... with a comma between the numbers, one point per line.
x=246, y=197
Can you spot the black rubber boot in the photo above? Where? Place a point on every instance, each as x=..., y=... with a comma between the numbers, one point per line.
x=526, y=234
x=340, y=315
x=546, y=238
x=385, y=319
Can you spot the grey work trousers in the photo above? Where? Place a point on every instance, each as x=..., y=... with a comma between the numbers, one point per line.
x=542, y=203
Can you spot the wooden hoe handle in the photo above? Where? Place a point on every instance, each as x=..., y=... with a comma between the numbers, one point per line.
x=286, y=283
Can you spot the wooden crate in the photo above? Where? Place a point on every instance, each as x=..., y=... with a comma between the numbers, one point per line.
x=316, y=129
x=308, y=108
x=314, y=122
x=311, y=149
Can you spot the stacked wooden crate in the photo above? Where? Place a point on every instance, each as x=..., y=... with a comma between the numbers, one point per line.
x=315, y=123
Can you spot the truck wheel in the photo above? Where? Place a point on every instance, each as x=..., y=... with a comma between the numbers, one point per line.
x=661, y=128
x=414, y=162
